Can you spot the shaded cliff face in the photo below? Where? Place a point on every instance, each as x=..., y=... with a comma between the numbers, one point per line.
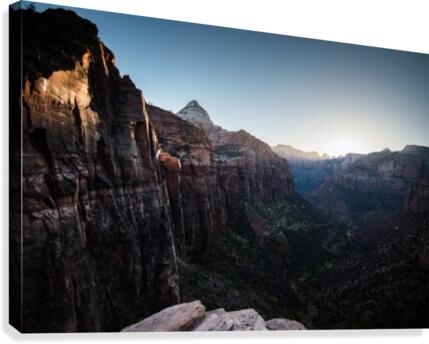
x=196, y=197
x=248, y=170
x=110, y=189
x=97, y=242
x=417, y=207
x=357, y=187
x=308, y=175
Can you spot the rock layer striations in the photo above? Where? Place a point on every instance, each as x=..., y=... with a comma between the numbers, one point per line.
x=248, y=170
x=96, y=230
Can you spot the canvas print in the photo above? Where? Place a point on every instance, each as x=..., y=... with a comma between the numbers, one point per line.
x=170, y=176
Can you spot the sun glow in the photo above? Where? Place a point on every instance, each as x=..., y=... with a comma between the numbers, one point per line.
x=343, y=145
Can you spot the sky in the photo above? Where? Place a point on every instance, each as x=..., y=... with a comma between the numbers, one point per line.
x=317, y=95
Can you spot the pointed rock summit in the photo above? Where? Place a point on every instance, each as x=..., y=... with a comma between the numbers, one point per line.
x=197, y=115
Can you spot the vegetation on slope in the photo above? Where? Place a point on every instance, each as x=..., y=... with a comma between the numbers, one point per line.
x=264, y=259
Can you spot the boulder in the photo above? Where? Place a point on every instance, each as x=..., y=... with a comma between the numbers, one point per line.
x=192, y=317
x=182, y=317
x=217, y=320
x=247, y=320
x=284, y=325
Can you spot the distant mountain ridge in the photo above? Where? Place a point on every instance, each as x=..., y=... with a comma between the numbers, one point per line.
x=291, y=153
x=357, y=184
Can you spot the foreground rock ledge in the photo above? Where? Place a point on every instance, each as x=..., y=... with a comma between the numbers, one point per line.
x=192, y=316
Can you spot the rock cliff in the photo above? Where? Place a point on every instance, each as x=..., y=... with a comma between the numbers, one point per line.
x=417, y=207
x=248, y=170
x=196, y=197
x=194, y=113
x=96, y=235
x=121, y=210
x=354, y=188
x=113, y=189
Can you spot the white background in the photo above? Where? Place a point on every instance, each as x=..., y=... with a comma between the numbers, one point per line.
x=392, y=24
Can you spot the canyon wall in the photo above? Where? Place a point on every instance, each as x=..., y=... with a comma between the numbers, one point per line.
x=357, y=187
x=96, y=236
x=417, y=207
x=196, y=196
x=248, y=170
x=112, y=189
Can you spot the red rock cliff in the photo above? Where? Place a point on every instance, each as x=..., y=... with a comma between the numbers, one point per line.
x=111, y=188
x=248, y=170
x=196, y=196
x=96, y=235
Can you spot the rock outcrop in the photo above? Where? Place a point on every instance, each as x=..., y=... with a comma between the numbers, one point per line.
x=96, y=230
x=284, y=325
x=248, y=170
x=182, y=317
x=192, y=317
x=196, y=197
x=194, y=113
x=113, y=189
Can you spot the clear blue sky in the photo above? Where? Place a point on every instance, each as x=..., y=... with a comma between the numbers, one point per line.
x=315, y=95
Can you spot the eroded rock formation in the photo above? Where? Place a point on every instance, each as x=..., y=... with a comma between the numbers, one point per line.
x=113, y=189
x=248, y=170
x=196, y=196
x=96, y=236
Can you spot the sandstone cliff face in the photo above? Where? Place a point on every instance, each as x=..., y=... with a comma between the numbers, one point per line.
x=195, y=193
x=97, y=241
x=248, y=170
x=105, y=205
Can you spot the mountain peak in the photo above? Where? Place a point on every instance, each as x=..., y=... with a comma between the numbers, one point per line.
x=193, y=103
x=193, y=112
